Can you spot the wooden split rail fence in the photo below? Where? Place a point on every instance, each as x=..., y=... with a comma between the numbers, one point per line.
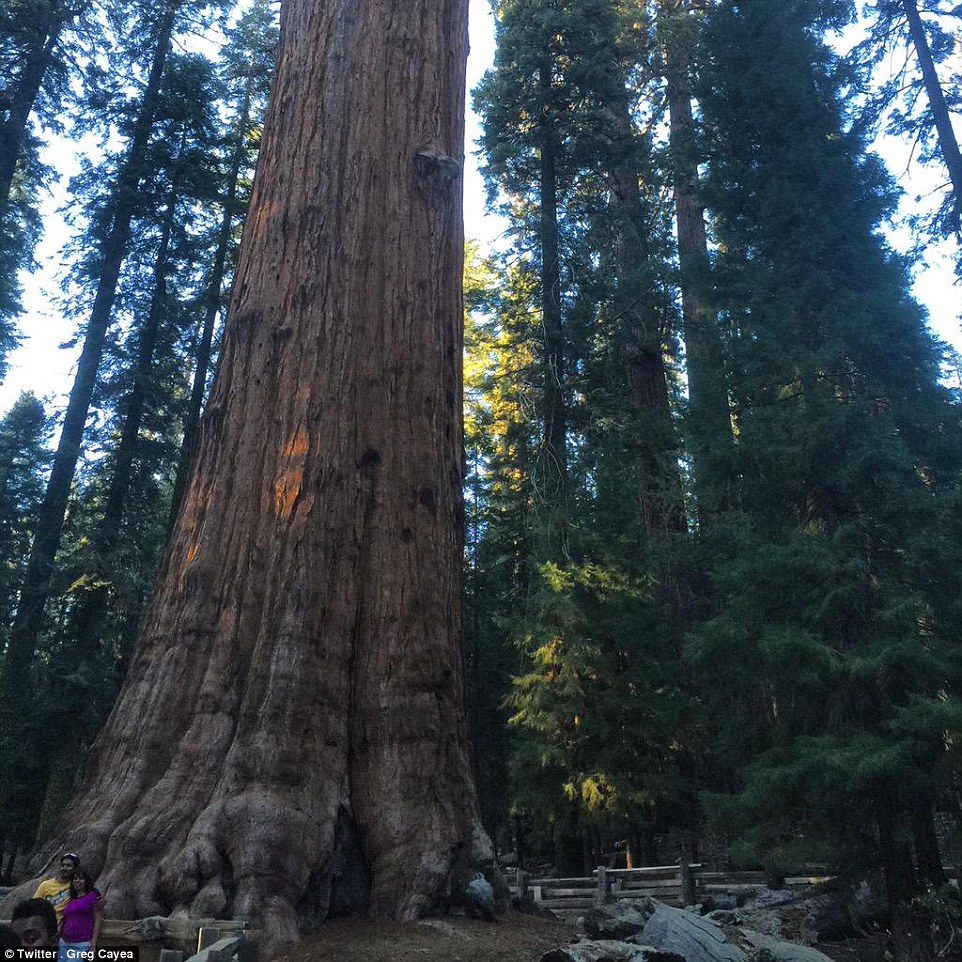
x=162, y=939
x=176, y=940
x=679, y=885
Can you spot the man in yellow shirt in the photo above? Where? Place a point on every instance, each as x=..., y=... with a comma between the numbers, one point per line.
x=56, y=890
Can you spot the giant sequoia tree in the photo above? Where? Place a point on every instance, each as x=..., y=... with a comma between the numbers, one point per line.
x=290, y=738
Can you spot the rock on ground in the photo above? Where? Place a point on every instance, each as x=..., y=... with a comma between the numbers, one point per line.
x=614, y=933
x=621, y=920
x=690, y=936
x=812, y=914
x=779, y=951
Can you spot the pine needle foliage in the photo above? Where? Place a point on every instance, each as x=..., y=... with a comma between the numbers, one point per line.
x=820, y=668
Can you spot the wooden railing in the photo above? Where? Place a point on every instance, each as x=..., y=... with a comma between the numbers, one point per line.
x=679, y=885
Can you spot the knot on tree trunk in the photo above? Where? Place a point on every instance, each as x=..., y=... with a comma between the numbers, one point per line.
x=437, y=172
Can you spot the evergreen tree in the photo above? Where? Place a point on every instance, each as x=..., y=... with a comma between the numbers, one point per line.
x=824, y=676
x=498, y=442
x=246, y=66
x=921, y=104
x=33, y=73
x=19, y=231
x=143, y=385
x=378, y=783
x=589, y=217
x=113, y=234
x=708, y=420
x=23, y=457
x=42, y=43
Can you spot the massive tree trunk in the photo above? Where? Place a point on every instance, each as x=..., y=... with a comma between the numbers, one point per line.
x=290, y=738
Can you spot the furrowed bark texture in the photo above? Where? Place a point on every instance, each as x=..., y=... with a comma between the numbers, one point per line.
x=292, y=721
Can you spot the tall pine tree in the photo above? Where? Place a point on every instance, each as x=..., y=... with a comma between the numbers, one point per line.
x=827, y=684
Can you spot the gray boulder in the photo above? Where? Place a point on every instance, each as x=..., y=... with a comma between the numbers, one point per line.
x=812, y=914
x=479, y=899
x=692, y=937
x=768, y=949
x=716, y=902
x=649, y=931
x=722, y=917
x=620, y=920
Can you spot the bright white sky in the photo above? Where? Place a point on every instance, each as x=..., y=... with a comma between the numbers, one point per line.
x=41, y=366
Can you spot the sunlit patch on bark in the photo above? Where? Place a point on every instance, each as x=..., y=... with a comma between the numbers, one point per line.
x=288, y=485
x=286, y=489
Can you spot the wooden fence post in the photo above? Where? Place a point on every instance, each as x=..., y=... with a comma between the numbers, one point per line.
x=687, y=882
x=522, y=885
x=206, y=935
x=601, y=893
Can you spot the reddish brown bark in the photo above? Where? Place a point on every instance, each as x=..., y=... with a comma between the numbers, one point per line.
x=292, y=720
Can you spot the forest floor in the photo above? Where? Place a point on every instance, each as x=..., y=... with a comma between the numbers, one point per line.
x=513, y=938
x=858, y=950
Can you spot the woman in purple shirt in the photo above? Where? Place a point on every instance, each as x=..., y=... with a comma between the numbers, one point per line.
x=82, y=916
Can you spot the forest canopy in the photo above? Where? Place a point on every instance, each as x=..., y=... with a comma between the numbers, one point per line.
x=712, y=500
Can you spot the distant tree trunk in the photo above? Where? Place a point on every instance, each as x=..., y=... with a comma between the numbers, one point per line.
x=36, y=585
x=661, y=498
x=212, y=302
x=709, y=419
x=290, y=739
x=894, y=853
x=569, y=854
x=928, y=858
x=53, y=17
x=88, y=621
x=948, y=143
x=63, y=741
x=554, y=455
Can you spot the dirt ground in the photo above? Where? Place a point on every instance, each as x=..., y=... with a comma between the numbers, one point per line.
x=513, y=938
x=857, y=950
